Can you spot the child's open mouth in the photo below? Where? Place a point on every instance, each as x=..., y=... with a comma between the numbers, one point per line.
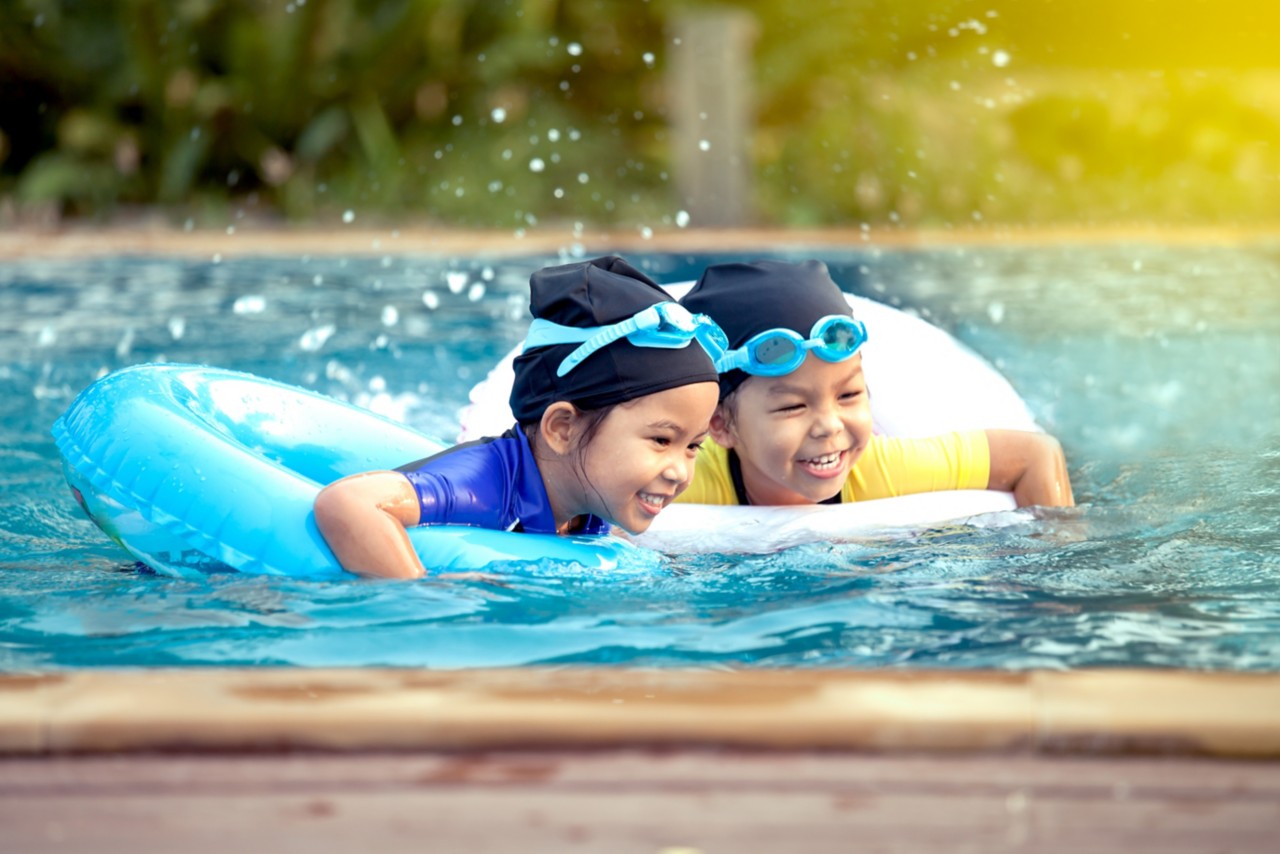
x=652, y=503
x=827, y=465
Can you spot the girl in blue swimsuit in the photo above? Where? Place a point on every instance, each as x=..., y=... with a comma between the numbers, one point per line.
x=612, y=396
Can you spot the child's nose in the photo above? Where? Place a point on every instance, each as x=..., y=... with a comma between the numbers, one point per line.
x=677, y=470
x=825, y=422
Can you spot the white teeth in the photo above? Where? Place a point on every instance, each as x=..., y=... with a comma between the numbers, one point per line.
x=656, y=500
x=825, y=461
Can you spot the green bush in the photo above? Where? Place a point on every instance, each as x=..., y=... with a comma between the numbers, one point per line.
x=510, y=113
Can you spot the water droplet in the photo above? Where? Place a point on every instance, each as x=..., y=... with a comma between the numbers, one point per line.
x=574, y=49
x=499, y=115
x=475, y=293
x=390, y=315
x=537, y=164
x=348, y=217
x=431, y=300
x=1000, y=58
x=177, y=327
x=704, y=145
x=456, y=280
x=313, y=339
x=996, y=312
x=553, y=135
x=249, y=304
x=125, y=346
x=682, y=219
x=648, y=58
x=48, y=336
x=646, y=232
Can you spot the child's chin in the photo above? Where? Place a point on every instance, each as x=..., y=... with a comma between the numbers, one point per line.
x=819, y=496
x=636, y=527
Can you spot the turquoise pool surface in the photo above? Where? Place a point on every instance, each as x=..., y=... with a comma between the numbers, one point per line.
x=1157, y=367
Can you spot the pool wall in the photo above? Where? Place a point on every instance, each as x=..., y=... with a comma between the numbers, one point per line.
x=377, y=709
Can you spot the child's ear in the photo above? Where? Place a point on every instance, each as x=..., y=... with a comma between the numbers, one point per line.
x=559, y=423
x=722, y=427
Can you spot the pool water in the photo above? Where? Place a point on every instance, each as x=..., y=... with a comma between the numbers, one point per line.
x=1157, y=367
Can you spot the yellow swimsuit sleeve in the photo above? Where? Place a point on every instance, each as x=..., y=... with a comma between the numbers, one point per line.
x=712, y=483
x=892, y=466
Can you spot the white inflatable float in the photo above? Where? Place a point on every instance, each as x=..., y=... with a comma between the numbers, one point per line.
x=923, y=382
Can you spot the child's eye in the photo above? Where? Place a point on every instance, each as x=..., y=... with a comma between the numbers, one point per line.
x=694, y=447
x=660, y=441
x=851, y=395
x=790, y=407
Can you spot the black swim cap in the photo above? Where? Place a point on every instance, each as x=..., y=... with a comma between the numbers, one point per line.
x=749, y=298
x=597, y=293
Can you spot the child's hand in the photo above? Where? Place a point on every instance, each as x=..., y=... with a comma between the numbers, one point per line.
x=1031, y=466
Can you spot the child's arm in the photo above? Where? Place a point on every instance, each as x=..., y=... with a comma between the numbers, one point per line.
x=1031, y=466
x=363, y=519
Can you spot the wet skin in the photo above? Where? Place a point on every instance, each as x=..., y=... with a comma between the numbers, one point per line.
x=797, y=435
x=640, y=458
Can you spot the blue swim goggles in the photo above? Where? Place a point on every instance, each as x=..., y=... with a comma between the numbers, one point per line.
x=776, y=352
x=666, y=325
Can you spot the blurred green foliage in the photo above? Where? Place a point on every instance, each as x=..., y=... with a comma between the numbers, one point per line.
x=513, y=112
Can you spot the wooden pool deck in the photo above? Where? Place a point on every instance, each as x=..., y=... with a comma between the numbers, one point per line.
x=630, y=760
x=631, y=800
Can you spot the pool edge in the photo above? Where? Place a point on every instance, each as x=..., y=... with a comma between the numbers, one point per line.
x=79, y=241
x=1078, y=712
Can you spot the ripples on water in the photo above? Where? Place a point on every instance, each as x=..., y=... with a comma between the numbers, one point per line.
x=1156, y=367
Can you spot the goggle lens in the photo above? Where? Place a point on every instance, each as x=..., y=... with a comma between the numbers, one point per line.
x=780, y=351
x=840, y=337
x=775, y=351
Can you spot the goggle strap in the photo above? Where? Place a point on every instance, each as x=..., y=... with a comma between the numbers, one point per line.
x=545, y=333
x=605, y=336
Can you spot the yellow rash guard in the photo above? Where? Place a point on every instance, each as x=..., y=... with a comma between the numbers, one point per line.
x=888, y=467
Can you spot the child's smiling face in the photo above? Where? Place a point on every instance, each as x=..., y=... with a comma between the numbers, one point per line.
x=797, y=436
x=643, y=455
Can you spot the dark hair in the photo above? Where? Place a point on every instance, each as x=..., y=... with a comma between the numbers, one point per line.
x=592, y=418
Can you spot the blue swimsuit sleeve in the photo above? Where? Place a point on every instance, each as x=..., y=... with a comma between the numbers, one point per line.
x=464, y=487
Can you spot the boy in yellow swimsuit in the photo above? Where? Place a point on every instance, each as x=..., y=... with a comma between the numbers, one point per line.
x=793, y=425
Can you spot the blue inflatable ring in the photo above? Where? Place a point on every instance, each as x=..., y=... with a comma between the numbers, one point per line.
x=198, y=469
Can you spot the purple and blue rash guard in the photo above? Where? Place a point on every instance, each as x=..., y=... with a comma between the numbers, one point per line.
x=488, y=483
